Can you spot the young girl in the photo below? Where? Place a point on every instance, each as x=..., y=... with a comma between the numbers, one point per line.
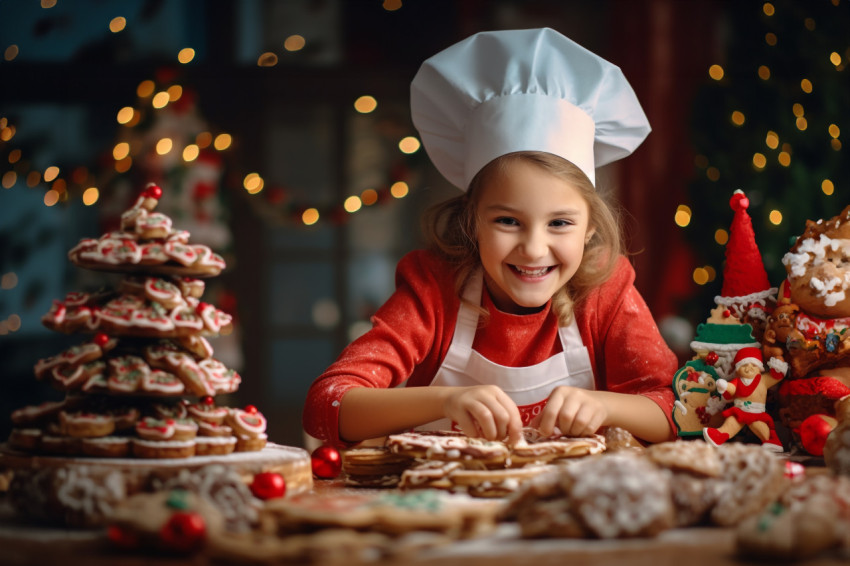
x=523, y=311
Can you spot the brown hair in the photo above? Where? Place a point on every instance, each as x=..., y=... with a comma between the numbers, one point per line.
x=451, y=229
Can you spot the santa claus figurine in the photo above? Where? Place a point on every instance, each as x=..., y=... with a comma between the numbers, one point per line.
x=748, y=393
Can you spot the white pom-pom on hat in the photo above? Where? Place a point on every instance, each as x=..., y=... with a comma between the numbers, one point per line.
x=500, y=92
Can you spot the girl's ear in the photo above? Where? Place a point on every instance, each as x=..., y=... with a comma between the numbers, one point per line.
x=589, y=235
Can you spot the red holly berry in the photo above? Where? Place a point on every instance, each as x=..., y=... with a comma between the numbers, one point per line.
x=711, y=358
x=184, y=531
x=101, y=339
x=727, y=313
x=326, y=462
x=153, y=191
x=251, y=409
x=208, y=400
x=268, y=485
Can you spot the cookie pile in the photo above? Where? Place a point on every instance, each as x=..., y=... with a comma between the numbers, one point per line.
x=454, y=462
x=144, y=384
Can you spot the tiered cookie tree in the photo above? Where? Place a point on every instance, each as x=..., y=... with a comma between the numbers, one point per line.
x=144, y=384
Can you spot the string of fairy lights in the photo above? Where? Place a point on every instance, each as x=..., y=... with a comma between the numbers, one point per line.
x=774, y=151
x=67, y=183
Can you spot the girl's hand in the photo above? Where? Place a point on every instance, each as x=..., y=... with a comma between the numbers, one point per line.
x=484, y=411
x=576, y=412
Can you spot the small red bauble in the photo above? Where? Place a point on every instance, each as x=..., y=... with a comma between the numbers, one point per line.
x=153, y=191
x=208, y=400
x=813, y=433
x=183, y=532
x=711, y=358
x=268, y=485
x=251, y=409
x=326, y=462
x=101, y=339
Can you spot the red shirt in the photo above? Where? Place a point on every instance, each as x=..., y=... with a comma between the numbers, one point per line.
x=412, y=331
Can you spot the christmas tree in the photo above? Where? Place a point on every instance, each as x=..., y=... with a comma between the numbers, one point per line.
x=770, y=123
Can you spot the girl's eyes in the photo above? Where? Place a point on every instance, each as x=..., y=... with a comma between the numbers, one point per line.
x=506, y=220
x=509, y=221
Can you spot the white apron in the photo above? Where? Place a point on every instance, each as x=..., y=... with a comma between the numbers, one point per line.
x=529, y=386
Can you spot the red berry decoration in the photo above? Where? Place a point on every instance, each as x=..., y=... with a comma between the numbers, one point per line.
x=794, y=470
x=326, y=462
x=813, y=432
x=268, y=485
x=711, y=358
x=184, y=531
x=101, y=339
x=153, y=191
x=251, y=409
x=208, y=400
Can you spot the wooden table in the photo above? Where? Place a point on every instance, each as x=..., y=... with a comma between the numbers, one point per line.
x=28, y=545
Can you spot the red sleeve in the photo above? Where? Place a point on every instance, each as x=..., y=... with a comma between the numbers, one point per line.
x=407, y=336
x=627, y=350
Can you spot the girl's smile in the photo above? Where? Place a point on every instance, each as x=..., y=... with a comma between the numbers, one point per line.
x=532, y=228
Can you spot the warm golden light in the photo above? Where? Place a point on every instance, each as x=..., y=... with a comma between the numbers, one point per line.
x=834, y=130
x=759, y=160
x=352, y=204
x=191, y=152
x=90, y=196
x=798, y=110
x=683, y=216
x=33, y=179
x=51, y=173
x=164, y=146
x=222, y=141
x=700, y=276
x=204, y=139
x=775, y=217
x=175, y=92
x=267, y=59
x=835, y=144
x=294, y=43
x=14, y=156
x=253, y=183
x=409, y=145
x=365, y=104
x=770, y=38
x=716, y=72
x=186, y=55
x=721, y=236
x=399, y=189
x=764, y=72
x=784, y=158
x=768, y=9
x=806, y=86
x=7, y=133
x=827, y=187
x=120, y=151
x=802, y=123
x=369, y=197
x=835, y=59
x=391, y=5
x=11, y=52
x=51, y=197
x=310, y=216
x=145, y=89
x=124, y=165
x=117, y=24
x=9, y=179
x=48, y=3
x=160, y=100
x=125, y=115
x=738, y=118
x=713, y=173
x=771, y=140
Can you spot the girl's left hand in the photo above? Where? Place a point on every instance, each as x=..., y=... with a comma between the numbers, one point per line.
x=576, y=412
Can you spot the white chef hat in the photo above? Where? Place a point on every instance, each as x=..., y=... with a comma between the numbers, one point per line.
x=523, y=90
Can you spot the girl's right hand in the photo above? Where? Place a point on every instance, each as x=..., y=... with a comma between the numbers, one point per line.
x=484, y=411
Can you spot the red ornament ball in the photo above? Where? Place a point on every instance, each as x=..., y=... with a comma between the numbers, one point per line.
x=184, y=531
x=153, y=191
x=711, y=358
x=326, y=462
x=268, y=485
x=813, y=433
x=101, y=339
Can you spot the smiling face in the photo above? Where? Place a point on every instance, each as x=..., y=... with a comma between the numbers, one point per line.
x=532, y=227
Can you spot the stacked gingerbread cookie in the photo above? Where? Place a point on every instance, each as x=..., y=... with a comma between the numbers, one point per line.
x=144, y=382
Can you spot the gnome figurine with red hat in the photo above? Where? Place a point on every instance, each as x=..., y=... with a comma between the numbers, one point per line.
x=748, y=393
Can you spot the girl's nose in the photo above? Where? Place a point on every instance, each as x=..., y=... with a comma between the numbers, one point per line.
x=534, y=244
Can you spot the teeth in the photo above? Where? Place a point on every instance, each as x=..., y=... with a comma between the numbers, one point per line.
x=532, y=272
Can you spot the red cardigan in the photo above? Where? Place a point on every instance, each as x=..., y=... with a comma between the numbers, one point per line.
x=412, y=331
